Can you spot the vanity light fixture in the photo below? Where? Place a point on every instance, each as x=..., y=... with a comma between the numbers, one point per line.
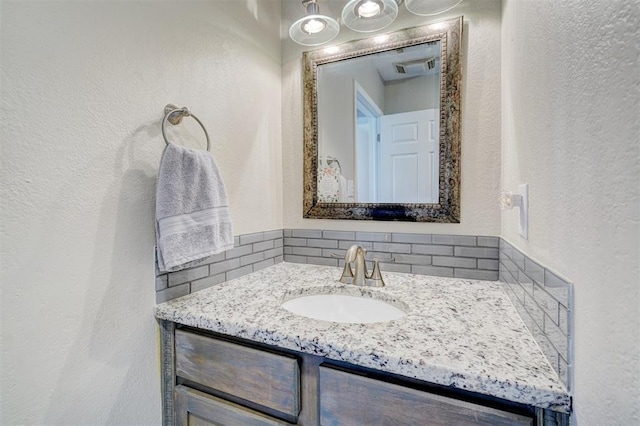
x=314, y=29
x=366, y=16
x=363, y=16
x=430, y=7
x=509, y=200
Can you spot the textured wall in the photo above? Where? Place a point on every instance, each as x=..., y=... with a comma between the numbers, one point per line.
x=581, y=160
x=83, y=88
x=480, y=213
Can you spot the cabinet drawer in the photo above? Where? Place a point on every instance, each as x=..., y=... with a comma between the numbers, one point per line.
x=349, y=399
x=195, y=408
x=263, y=378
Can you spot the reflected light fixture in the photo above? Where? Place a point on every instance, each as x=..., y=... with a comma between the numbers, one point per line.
x=314, y=29
x=363, y=16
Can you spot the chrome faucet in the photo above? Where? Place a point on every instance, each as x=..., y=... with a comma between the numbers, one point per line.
x=356, y=255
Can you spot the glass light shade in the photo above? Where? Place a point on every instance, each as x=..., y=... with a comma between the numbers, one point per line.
x=314, y=30
x=366, y=16
x=430, y=7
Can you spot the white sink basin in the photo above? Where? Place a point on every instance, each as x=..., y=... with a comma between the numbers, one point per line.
x=343, y=308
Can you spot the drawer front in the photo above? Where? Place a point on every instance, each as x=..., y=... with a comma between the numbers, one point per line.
x=263, y=378
x=349, y=399
x=195, y=408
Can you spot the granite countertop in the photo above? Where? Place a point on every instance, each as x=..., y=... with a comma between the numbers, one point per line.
x=457, y=332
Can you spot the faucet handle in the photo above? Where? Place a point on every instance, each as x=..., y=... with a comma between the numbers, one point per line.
x=376, y=275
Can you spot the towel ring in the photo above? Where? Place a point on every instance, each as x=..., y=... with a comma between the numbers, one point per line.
x=174, y=115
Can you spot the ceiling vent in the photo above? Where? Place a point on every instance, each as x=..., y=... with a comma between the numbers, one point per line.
x=415, y=67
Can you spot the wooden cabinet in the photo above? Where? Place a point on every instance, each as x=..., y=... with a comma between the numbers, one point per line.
x=350, y=399
x=210, y=380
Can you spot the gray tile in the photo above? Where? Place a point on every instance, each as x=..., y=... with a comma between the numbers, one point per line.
x=506, y=248
x=333, y=253
x=526, y=282
x=162, y=282
x=563, y=319
x=534, y=270
x=307, y=233
x=373, y=236
x=518, y=291
x=546, y=302
x=265, y=245
x=251, y=258
x=272, y=235
x=459, y=262
x=563, y=372
x=251, y=238
x=306, y=251
x=394, y=267
x=287, y=250
x=314, y=242
x=488, y=242
x=518, y=258
x=413, y=259
x=347, y=244
x=411, y=238
x=557, y=338
x=322, y=261
x=279, y=259
x=339, y=235
x=279, y=242
x=534, y=310
x=488, y=264
x=294, y=259
x=278, y=251
x=239, y=251
x=264, y=264
x=300, y=242
x=287, y=233
x=509, y=265
x=207, y=282
x=526, y=318
x=371, y=255
x=216, y=257
x=236, y=241
x=240, y=272
x=227, y=265
x=475, y=274
x=557, y=287
x=187, y=275
x=547, y=348
x=172, y=293
x=479, y=252
x=392, y=247
x=458, y=240
x=430, y=249
x=438, y=271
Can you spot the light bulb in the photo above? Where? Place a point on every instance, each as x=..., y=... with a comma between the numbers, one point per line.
x=368, y=9
x=313, y=26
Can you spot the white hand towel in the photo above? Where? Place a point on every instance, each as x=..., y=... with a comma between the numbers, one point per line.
x=192, y=211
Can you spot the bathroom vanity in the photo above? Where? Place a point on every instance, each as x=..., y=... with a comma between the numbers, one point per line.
x=461, y=355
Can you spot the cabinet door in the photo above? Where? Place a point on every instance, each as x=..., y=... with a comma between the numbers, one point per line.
x=350, y=399
x=195, y=408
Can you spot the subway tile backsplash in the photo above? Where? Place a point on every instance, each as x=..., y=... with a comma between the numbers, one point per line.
x=251, y=253
x=543, y=299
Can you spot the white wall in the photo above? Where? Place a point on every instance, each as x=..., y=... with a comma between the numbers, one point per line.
x=581, y=159
x=480, y=121
x=412, y=94
x=83, y=89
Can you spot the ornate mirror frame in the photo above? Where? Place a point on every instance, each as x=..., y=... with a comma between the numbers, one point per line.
x=447, y=210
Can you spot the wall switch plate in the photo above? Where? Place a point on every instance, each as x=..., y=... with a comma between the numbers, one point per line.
x=523, y=219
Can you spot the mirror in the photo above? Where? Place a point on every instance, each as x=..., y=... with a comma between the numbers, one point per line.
x=382, y=127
